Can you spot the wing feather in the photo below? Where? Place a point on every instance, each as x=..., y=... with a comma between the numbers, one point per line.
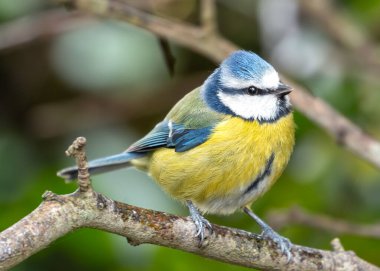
x=187, y=125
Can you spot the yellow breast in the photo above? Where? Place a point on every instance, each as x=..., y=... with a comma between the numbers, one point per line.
x=215, y=174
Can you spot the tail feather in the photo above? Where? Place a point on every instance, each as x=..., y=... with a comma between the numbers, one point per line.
x=101, y=165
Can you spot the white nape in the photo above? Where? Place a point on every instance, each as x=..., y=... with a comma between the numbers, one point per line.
x=260, y=107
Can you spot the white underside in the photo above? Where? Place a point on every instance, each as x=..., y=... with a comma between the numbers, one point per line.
x=234, y=201
x=260, y=107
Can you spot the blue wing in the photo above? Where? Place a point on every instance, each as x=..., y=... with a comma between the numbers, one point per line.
x=187, y=139
x=167, y=134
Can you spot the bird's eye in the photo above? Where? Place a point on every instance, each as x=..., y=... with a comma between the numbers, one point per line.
x=252, y=90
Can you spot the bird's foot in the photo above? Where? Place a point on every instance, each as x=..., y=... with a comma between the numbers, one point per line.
x=283, y=243
x=201, y=223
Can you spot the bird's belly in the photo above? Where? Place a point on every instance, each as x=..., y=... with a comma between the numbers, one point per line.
x=238, y=163
x=237, y=198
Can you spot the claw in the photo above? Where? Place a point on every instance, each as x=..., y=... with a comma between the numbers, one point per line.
x=201, y=223
x=283, y=243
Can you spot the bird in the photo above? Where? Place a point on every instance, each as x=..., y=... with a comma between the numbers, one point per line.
x=221, y=147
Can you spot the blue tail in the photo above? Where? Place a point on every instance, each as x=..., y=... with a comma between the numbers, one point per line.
x=100, y=165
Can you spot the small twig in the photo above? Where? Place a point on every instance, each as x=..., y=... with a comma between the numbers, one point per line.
x=297, y=215
x=212, y=46
x=337, y=245
x=76, y=150
x=167, y=54
x=38, y=26
x=208, y=17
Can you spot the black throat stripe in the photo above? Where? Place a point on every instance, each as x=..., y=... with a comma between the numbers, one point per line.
x=267, y=171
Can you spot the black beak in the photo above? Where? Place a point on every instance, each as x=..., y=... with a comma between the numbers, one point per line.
x=282, y=90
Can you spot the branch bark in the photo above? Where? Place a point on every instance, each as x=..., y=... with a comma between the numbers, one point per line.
x=217, y=48
x=59, y=214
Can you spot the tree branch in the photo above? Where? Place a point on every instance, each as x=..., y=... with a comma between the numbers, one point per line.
x=59, y=214
x=217, y=48
x=41, y=25
x=297, y=215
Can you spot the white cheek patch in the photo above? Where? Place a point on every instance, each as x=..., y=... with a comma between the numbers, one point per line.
x=260, y=107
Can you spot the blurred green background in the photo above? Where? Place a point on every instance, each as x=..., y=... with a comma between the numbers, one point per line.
x=64, y=75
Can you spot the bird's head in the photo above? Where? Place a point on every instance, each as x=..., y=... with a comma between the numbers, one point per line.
x=247, y=86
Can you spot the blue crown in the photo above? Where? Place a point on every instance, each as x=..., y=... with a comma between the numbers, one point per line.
x=245, y=65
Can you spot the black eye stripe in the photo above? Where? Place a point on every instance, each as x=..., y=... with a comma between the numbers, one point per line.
x=251, y=90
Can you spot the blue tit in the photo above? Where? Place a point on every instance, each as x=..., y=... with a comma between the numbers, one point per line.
x=220, y=147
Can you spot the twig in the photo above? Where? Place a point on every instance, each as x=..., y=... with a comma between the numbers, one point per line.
x=76, y=150
x=208, y=17
x=217, y=48
x=39, y=26
x=297, y=215
x=167, y=54
x=59, y=214
x=213, y=46
x=337, y=245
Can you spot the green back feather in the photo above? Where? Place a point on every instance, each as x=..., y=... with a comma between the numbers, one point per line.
x=192, y=112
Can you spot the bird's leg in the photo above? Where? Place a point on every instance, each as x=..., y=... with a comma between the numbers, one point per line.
x=200, y=222
x=267, y=232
